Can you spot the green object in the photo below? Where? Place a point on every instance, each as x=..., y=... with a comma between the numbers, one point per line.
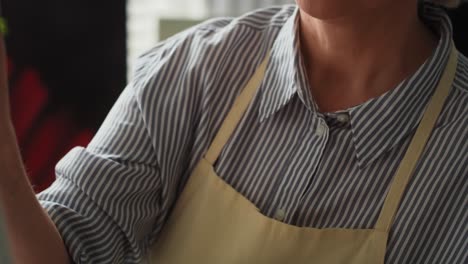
x=3, y=26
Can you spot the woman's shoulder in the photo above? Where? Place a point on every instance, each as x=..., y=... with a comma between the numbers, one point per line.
x=200, y=58
x=221, y=36
x=206, y=66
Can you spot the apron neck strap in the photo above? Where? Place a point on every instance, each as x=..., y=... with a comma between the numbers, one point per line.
x=237, y=111
x=420, y=138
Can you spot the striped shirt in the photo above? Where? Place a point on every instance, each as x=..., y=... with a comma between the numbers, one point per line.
x=111, y=199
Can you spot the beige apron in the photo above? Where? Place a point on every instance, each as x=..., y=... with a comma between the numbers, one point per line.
x=213, y=223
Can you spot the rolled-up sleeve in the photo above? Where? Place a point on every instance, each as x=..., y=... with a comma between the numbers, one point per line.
x=105, y=200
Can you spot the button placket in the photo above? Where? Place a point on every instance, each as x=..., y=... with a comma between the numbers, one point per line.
x=321, y=129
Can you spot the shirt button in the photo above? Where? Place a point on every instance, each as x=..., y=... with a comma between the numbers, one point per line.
x=280, y=214
x=343, y=118
x=321, y=130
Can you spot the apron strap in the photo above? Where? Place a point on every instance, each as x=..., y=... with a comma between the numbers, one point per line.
x=420, y=138
x=237, y=111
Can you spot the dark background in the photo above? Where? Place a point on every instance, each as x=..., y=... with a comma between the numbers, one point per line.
x=460, y=27
x=67, y=65
x=77, y=46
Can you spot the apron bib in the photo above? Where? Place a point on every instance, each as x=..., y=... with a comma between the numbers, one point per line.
x=212, y=223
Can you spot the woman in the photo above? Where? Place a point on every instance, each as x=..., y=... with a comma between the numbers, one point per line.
x=346, y=145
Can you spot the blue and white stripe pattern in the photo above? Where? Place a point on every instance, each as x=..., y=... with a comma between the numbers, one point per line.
x=110, y=200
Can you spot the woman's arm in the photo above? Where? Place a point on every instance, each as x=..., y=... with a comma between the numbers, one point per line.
x=33, y=237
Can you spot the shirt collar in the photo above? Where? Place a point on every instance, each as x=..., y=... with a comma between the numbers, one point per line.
x=285, y=75
x=396, y=114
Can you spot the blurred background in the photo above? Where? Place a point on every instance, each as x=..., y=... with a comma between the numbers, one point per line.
x=69, y=60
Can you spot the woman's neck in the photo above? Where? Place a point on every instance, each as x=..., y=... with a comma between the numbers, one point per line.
x=352, y=59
